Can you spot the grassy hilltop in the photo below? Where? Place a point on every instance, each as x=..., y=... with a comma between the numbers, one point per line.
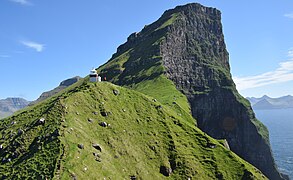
x=143, y=138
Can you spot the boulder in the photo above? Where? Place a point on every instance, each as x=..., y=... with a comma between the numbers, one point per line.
x=211, y=145
x=103, y=124
x=159, y=107
x=96, y=154
x=15, y=154
x=80, y=146
x=97, y=147
x=115, y=92
x=104, y=113
x=41, y=121
x=133, y=177
x=20, y=132
x=98, y=159
x=56, y=132
x=166, y=171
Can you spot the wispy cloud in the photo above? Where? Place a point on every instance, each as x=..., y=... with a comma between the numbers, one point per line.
x=283, y=73
x=34, y=45
x=290, y=15
x=22, y=2
x=4, y=56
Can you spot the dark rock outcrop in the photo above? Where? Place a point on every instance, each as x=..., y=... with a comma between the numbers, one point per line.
x=80, y=146
x=103, y=124
x=166, y=171
x=196, y=60
x=97, y=147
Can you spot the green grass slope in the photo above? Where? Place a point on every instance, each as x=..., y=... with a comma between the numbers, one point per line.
x=142, y=138
x=138, y=65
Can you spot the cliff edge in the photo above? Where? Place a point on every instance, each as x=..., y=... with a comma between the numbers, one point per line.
x=186, y=45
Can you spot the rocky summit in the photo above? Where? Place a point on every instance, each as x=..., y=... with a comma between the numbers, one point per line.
x=186, y=45
x=169, y=111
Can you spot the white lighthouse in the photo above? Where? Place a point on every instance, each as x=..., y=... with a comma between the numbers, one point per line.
x=93, y=76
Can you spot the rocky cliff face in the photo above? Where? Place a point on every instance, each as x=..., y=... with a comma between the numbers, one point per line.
x=196, y=60
x=187, y=45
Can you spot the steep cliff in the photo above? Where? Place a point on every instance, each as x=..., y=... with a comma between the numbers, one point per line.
x=187, y=46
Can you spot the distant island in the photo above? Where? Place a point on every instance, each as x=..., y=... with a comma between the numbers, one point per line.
x=266, y=102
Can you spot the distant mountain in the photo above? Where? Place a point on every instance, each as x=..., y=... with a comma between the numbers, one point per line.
x=9, y=105
x=267, y=102
x=64, y=84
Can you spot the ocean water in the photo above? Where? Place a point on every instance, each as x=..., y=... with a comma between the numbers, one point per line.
x=280, y=125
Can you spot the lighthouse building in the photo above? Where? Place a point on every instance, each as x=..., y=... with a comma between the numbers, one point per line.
x=93, y=76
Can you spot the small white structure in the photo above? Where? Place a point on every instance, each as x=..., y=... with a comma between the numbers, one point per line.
x=99, y=78
x=93, y=76
x=42, y=121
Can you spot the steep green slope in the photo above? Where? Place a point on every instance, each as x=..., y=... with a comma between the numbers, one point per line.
x=182, y=57
x=143, y=138
x=29, y=147
x=138, y=65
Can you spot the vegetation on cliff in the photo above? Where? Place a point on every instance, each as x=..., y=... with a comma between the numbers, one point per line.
x=125, y=126
x=185, y=48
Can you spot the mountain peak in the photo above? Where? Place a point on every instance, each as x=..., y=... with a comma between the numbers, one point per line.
x=70, y=81
x=64, y=84
x=266, y=102
x=9, y=105
x=265, y=97
x=186, y=46
x=194, y=8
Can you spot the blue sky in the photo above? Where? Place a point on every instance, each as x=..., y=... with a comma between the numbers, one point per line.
x=44, y=42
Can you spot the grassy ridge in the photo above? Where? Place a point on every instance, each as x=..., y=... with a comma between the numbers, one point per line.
x=29, y=149
x=143, y=136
